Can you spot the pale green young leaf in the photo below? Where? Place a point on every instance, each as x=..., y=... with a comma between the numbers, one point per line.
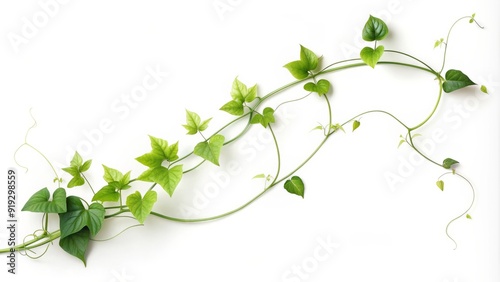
x=371, y=56
x=111, y=174
x=251, y=94
x=440, y=184
x=192, y=122
x=265, y=118
x=168, y=178
x=107, y=193
x=204, y=124
x=484, y=89
x=308, y=58
x=76, y=161
x=210, y=150
x=233, y=107
x=141, y=207
x=468, y=216
x=355, y=124
x=160, y=152
x=298, y=69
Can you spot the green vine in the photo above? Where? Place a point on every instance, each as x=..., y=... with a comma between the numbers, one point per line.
x=81, y=220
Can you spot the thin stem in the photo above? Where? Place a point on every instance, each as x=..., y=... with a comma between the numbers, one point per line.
x=90, y=185
x=433, y=109
x=277, y=153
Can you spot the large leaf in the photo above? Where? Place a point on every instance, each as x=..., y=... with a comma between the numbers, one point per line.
x=77, y=217
x=295, y=186
x=141, y=207
x=168, y=178
x=210, y=150
x=298, y=69
x=76, y=244
x=107, y=193
x=371, y=56
x=39, y=202
x=455, y=80
x=374, y=29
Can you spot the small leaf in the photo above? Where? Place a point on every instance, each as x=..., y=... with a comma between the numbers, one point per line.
x=265, y=118
x=192, y=122
x=468, y=216
x=448, y=163
x=141, y=207
x=355, y=124
x=39, y=202
x=336, y=127
x=204, y=124
x=440, y=184
x=298, y=69
x=210, y=150
x=371, y=56
x=77, y=166
x=374, y=29
x=233, y=107
x=168, y=178
x=439, y=42
x=76, y=244
x=484, y=89
x=262, y=175
x=455, y=80
x=241, y=93
x=401, y=142
x=322, y=87
x=160, y=152
x=295, y=186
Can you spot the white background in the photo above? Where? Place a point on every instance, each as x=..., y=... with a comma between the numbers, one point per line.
x=77, y=66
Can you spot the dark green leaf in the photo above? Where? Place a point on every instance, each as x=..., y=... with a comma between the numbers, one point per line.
x=371, y=56
x=210, y=150
x=455, y=80
x=448, y=163
x=168, y=178
x=295, y=186
x=76, y=244
x=375, y=29
x=39, y=202
x=76, y=217
x=141, y=207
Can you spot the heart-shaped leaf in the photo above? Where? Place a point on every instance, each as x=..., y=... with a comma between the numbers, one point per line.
x=39, y=202
x=355, y=124
x=168, y=178
x=374, y=29
x=210, y=150
x=295, y=186
x=455, y=80
x=77, y=217
x=76, y=244
x=371, y=56
x=440, y=184
x=265, y=118
x=322, y=87
x=448, y=162
x=141, y=207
